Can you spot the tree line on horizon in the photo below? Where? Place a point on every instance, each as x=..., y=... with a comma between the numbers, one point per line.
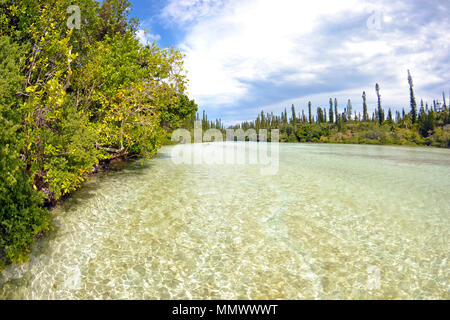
x=421, y=125
x=188, y=123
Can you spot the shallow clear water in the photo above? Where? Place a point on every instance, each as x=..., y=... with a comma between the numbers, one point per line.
x=336, y=221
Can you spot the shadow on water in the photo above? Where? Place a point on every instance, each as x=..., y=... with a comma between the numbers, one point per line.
x=131, y=169
x=163, y=156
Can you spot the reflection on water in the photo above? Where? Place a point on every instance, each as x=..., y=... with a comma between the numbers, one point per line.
x=337, y=221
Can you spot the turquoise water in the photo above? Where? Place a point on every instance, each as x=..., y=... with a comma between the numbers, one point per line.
x=334, y=222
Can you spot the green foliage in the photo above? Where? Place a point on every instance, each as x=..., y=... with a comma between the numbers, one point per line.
x=427, y=123
x=311, y=132
x=113, y=18
x=129, y=123
x=173, y=115
x=59, y=142
x=21, y=217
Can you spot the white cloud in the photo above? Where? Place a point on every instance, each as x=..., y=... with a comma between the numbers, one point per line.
x=146, y=37
x=230, y=45
x=184, y=11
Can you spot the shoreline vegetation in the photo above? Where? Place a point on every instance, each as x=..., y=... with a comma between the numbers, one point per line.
x=424, y=125
x=75, y=101
x=72, y=102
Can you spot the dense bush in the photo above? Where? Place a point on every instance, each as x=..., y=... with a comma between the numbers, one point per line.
x=21, y=217
x=71, y=98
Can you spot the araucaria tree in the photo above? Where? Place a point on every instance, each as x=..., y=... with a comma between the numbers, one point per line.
x=349, y=109
x=412, y=99
x=294, y=116
x=309, y=112
x=320, y=115
x=336, y=110
x=380, y=111
x=365, y=114
x=331, y=114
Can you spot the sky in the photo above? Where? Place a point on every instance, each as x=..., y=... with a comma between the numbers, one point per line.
x=244, y=56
